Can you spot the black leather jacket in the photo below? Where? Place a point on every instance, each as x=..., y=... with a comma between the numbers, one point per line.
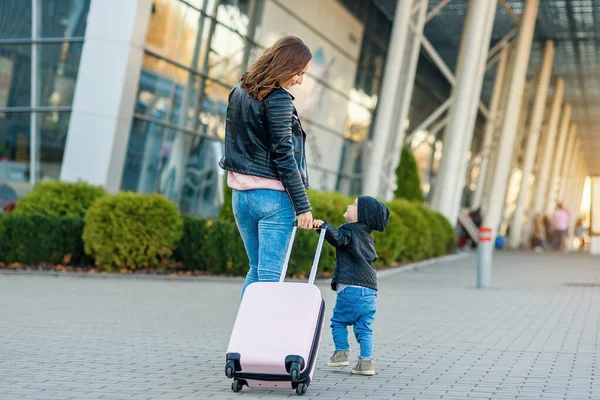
x=265, y=138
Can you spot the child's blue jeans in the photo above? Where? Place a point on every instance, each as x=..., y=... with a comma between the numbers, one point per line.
x=354, y=306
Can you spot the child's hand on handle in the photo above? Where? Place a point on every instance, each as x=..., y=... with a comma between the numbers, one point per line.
x=317, y=223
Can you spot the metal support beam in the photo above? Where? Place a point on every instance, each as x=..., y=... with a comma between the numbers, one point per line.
x=547, y=154
x=558, y=159
x=503, y=42
x=34, y=94
x=436, y=10
x=535, y=127
x=443, y=67
x=409, y=71
x=508, y=133
x=576, y=196
x=430, y=120
x=497, y=133
x=571, y=179
x=434, y=131
x=478, y=81
x=463, y=112
x=564, y=175
x=509, y=11
x=394, y=102
x=386, y=119
x=491, y=126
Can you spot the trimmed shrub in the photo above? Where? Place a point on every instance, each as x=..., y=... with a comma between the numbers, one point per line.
x=391, y=244
x=438, y=238
x=211, y=246
x=60, y=198
x=407, y=178
x=418, y=236
x=131, y=230
x=449, y=233
x=39, y=239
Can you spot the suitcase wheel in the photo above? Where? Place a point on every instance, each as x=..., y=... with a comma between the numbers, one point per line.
x=295, y=371
x=237, y=386
x=301, y=388
x=229, y=369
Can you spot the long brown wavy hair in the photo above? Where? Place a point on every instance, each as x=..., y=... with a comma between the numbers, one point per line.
x=279, y=63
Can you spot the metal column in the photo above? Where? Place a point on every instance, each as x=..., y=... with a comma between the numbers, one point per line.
x=490, y=127
x=387, y=120
x=547, y=154
x=463, y=112
x=507, y=138
x=493, y=156
x=33, y=116
x=573, y=175
x=409, y=72
x=466, y=146
x=558, y=159
x=535, y=127
x=564, y=173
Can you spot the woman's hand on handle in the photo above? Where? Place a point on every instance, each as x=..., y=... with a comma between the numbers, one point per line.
x=305, y=220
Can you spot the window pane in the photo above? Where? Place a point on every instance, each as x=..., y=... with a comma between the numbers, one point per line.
x=59, y=64
x=234, y=13
x=52, y=135
x=227, y=53
x=15, y=75
x=161, y=89
x=155, y=159
x=203, y=178
x=15, y=19
x=63, y=18
x=173, y=32
x=144, y=155
x=14, y=156
x=165, y=90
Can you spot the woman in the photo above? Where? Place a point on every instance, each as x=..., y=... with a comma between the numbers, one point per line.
x=265, y=157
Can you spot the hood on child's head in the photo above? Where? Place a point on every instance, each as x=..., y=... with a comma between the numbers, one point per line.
x=373, y=213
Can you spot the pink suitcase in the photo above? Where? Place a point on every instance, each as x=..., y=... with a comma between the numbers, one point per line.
x=276, y=335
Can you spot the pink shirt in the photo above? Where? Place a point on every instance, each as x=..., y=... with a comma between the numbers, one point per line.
x=249, y=182
x=560, y=219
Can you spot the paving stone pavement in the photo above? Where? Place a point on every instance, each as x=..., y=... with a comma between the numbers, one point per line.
x=436, y=336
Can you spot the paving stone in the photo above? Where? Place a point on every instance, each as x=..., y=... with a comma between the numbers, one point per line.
x=436, y=337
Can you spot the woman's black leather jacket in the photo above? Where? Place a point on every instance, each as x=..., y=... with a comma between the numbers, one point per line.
x=265, y=138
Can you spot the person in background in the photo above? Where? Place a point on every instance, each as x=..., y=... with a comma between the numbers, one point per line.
x=560, y=226
x=539, y=233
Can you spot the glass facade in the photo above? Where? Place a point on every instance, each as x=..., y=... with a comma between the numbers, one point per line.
x=40, y=47
x=196, y=52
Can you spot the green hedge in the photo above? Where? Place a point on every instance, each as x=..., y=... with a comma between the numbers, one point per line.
x=418, y=237
x=60, y=198
x=41, y=239
x=131, y=230
x=145, y=231
x=212, y=246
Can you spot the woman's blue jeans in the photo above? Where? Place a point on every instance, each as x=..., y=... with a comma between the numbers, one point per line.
x=265, y=219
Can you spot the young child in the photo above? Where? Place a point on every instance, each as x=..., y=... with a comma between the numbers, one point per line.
x=355, y=280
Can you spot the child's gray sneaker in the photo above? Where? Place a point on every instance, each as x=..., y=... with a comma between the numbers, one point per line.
x=364, y=366
x=339, y=359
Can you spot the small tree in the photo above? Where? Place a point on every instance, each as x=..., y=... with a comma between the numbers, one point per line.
x=407, y=178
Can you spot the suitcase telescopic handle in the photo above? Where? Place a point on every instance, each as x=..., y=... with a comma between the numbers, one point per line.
x=315, y=266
